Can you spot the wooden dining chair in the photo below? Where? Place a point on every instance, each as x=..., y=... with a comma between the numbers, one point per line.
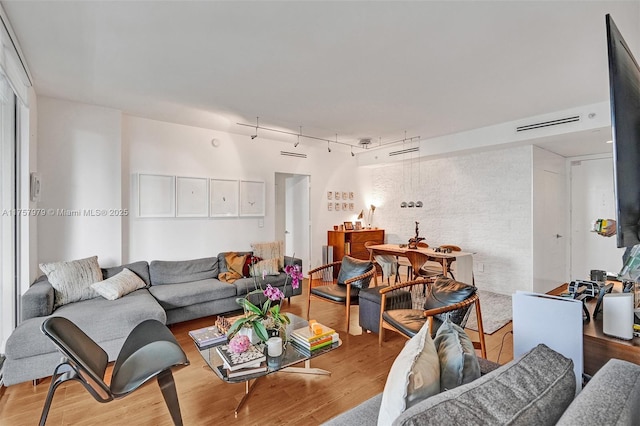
x=385, y=264
x=445, y=264
x=417, y=260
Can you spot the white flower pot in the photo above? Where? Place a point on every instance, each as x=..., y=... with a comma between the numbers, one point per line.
x=247, y=331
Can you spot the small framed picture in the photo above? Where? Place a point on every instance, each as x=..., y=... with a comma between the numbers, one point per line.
x=337, y=196
x=358, y=225
x=345, y=207
x=351, y=195
x=329, y=195
x=351, y=207
x=345, y=196
x=348, y=226
x=330, y=206
x=337, y=207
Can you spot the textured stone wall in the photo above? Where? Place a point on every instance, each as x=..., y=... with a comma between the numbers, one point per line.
x=479, y=201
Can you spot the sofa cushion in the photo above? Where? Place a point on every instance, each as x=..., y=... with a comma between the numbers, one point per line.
x=183, y=271
x=414, y=376
x=458, y=359
x=72, y=280
x=610, y=398
x=140, y=268
x=171, y=296
x=250, y=260
x=102, y=320
x=119, y=285
x=270, y=250
x=532, y=390
x=246, y=285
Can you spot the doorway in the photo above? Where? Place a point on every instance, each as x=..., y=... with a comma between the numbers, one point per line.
x=293, y=220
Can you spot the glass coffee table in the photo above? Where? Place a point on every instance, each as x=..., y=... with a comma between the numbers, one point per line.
x=283, y=363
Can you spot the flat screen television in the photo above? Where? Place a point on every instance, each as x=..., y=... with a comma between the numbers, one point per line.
x=624, y=92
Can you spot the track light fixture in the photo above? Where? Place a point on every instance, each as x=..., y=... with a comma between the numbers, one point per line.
x=295, y=145
x=352, y=154
x=328, y=147
x=257, y=125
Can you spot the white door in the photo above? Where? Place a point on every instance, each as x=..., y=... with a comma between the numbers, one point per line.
x=297, y=218
x=592, y=197
x=550, y=234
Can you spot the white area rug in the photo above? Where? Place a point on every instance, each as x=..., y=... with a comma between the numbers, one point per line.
x=496, y=312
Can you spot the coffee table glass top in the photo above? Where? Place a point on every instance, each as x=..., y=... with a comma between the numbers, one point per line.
x=290, y=355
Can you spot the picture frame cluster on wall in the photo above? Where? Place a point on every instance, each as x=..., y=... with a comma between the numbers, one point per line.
x=197, y=197
x=340, y=201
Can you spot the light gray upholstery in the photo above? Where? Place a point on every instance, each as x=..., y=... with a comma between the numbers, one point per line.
x=610, y=398
x=103, y=320
x=179, y=295
x=364, y=414
x=172, y=272
x=178, y=291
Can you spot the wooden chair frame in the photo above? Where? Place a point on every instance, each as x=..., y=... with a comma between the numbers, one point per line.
x=431, y=312
x=347, y=283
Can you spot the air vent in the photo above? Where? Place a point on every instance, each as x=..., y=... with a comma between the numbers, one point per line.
x=293, y=154
x=404, y=151
x=548, y=123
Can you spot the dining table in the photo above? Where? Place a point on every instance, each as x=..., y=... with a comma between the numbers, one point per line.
x=463, y=260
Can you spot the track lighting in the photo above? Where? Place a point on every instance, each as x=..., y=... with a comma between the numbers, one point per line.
x=253, y=137
x=257, y=125
x=328, y=147
x=295, y=145
x=352, y=154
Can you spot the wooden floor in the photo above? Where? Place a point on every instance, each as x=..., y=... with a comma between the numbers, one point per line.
x=359, y=371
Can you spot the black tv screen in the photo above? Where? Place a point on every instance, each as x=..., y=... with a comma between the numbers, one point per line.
x=624, y=92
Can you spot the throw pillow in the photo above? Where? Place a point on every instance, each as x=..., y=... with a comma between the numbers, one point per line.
x=251, y=260
x=351, y=267
x=444, y=292
x=235, y=263
x=267, y=266
x=458, y=359
x=119, y=285
x=414, y=376
x=269, y=251
x=72, y=280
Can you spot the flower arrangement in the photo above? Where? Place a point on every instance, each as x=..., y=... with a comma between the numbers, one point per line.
x=268, y=316
x=239, y=344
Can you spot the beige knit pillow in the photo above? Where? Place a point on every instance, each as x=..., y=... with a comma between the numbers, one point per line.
x=72, y=280
x=269, y=251
x=119, y=285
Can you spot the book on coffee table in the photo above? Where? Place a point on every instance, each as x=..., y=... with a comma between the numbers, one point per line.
x=245, y=359
x=259, y=367
x=207, y=336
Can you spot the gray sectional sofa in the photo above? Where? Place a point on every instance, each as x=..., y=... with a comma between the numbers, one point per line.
x=536, y=389
x=176, y=291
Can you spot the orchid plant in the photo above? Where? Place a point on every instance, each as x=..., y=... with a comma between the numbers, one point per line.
x=268, y=316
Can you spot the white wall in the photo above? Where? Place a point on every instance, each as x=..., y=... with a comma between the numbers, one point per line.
x=479, y=201
x=172, y=149
x=79, y=163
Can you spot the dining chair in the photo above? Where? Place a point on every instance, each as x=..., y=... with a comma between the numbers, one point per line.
x=445, y=264
x=445, y=298
x=149, y=351
x=386, y=264
x=403, y=261
x=417, y=260
x=354, y=275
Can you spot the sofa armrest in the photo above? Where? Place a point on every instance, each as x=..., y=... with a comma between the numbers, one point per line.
x=38, y=300
x=611, y=397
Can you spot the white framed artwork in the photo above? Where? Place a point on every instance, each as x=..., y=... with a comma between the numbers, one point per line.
x=156, y=195
x=192, y=197
x=252, y=198
x=223, y=196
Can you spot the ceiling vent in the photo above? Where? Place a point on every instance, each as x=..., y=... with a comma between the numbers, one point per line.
x=404, y=151
x=548, y=123
x=293, y=154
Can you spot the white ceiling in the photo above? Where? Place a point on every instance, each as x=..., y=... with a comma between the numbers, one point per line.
x=355, y=69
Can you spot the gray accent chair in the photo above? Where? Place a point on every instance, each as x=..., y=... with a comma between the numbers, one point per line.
x=150, y=351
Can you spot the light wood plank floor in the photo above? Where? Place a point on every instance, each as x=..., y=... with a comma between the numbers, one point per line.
x=359, y=371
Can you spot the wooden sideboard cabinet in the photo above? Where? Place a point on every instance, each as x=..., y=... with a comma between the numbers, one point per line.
x=352, y=242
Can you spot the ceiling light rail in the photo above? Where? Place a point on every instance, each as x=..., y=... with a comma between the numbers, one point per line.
x=299, y=135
